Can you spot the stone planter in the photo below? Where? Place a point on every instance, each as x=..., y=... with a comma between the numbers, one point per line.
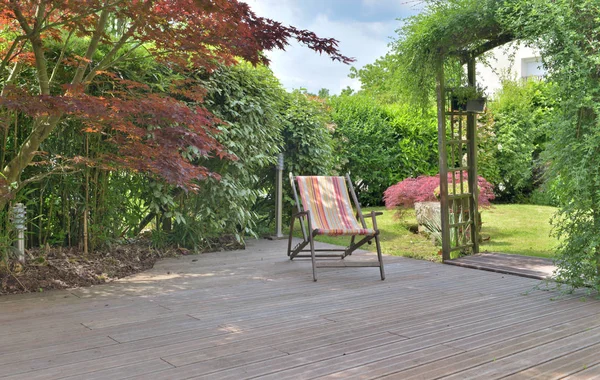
x=427, y=211
x=432, y=211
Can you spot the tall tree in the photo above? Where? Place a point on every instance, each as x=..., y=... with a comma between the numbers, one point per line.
x=149, y=129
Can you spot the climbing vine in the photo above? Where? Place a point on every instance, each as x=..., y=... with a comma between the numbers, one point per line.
x=567, y=32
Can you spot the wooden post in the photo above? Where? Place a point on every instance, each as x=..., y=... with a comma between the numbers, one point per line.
x=87, y=199
x=443, y=162
x=279, y=202
x=279, y=198
x=472, y=163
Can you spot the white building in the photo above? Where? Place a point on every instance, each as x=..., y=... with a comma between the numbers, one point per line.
x=511, y=61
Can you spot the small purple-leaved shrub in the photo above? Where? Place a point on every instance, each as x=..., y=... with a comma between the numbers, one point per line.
x=405, y=193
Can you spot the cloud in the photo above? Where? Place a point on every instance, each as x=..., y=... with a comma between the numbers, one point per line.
x=403, y=7
x=299, y=66
x=285, y=11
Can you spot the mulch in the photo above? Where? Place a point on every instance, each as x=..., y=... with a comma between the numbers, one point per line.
x=63, y=268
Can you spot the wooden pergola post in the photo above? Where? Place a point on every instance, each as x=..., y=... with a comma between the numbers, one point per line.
x=443, y=162
x=472, y=163
x=457, y=137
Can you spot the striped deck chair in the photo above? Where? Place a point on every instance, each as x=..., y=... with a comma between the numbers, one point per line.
x=324, y=207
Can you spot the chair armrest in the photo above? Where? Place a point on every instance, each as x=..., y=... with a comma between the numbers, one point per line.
x=299, y=214
x=370, y=215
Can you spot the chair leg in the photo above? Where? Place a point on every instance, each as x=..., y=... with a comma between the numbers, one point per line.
x=312, y=254
x=379, y=256
x=347, y=251
x=378, y=245
x=311, y=239
x=289, y=252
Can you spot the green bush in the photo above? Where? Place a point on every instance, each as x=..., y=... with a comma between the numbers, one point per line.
x=381, y=145
x=543, y=196
x=250, y=102
x=308, y=144
x=513, y=136
x=307, y=149
x=260, y=119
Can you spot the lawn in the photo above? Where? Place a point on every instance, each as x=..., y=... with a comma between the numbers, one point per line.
x=518, y=229
x=396, y=238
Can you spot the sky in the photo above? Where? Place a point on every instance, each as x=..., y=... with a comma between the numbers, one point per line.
x=364, y=29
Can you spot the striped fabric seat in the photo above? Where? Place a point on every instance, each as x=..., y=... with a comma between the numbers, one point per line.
x=328, y=201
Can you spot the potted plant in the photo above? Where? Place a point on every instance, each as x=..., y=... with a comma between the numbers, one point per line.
x=469, y=99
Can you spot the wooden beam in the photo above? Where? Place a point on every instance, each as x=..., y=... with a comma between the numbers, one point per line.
x=472, y=162
x=443, y=162
x=465, y=55
x=487, y=46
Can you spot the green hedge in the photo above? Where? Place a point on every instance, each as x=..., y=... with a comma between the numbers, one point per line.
x=512, y=139
x=381, y=145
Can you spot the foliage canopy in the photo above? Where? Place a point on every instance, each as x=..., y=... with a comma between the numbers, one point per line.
x=382, y=144
x=150, y=129
x=568, y=33
x=512, y=137
x=446, y=33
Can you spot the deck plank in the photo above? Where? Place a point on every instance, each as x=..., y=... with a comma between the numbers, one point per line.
x=525, y=266
x=587, y=373
x=498, y=344
x=521, y=360
x=570, y=364
x=255, y=313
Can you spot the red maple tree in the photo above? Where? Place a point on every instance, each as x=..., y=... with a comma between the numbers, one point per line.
x=150, y=129
x=405, y=193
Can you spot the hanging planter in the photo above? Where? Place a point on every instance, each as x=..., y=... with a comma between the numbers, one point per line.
x=476, y=105
x=467, y=99
x=457, y=104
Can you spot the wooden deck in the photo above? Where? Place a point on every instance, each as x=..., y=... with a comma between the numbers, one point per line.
x=525, y=266
x=254, y=314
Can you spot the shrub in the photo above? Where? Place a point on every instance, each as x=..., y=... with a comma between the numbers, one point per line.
x=308, y=144
x=423, y=189
x=307, y=147
x=512, y=138
x=382, y=144
x=249, y=100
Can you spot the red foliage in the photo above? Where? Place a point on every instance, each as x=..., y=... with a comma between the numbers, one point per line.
x=202, y=32
x=151, y=130
x=422, y=189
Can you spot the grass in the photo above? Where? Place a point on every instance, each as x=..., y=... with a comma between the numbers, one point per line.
x=517, y=229
x=396, y=238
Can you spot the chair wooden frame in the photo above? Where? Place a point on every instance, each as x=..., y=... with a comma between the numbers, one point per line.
x=305, y=219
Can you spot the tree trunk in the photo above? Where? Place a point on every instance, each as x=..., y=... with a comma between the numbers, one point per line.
x=43, y=126
x=167, y=223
